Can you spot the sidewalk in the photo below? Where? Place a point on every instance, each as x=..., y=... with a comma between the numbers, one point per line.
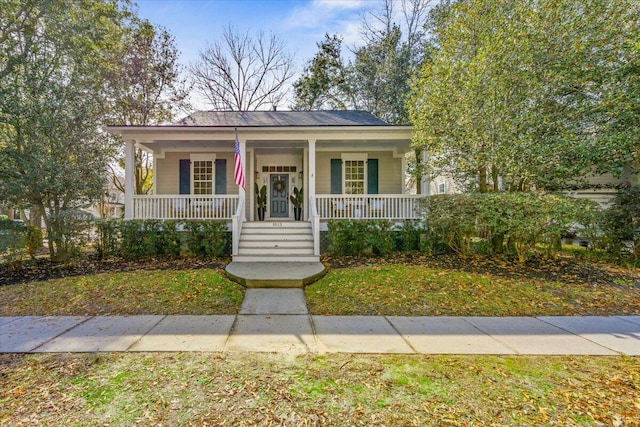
x=277, y=321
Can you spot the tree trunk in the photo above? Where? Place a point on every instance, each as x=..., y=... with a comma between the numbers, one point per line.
x=482, y=179
x=494, y=177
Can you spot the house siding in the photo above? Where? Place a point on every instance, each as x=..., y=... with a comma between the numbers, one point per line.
x=389, y=171
x=168, y=172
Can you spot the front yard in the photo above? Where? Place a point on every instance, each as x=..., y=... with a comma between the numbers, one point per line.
x=406, y=285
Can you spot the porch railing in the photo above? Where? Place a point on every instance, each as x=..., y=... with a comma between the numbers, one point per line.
x=184, y=206
x=368, y=206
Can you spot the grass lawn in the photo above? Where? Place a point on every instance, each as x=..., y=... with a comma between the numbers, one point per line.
x=168, y=291
x=261, y=389
x=422, y=290
x=408, y=284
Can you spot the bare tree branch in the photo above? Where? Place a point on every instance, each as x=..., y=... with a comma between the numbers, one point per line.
x=241, y=73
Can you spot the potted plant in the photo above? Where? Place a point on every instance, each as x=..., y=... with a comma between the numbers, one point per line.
x=261, y=200
x=297, y=200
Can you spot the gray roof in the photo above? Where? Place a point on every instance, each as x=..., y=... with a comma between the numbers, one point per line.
x=280, y=118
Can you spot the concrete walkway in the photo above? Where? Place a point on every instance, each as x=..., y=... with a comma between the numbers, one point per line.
x=276, y=320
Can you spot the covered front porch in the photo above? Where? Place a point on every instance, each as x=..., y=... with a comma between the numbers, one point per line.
x=346, y=165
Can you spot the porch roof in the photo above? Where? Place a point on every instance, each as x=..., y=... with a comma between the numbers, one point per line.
x=281, y=118
x=339, y=129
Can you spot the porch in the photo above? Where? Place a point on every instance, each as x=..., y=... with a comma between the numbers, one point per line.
x=266, y=241
x=327, y=206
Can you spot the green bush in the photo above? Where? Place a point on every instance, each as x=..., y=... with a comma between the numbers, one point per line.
x=149, y=238
x=206, y=238
x=407, y=235
x=502, y=223
x=621, y=223
x=355, y=237
x=33, y=241
x=12, y=240
x=346, y=236
x=68, y=231
x=107, y=241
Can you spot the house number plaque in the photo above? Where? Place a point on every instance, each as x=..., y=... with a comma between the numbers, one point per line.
x=276, y=224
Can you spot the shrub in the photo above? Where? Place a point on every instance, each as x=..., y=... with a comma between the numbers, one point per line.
x=67, y=232
x=346, y=236
x=502, y=223
x=408, y=235
x=12, y=240
x=379, y=236
x=149, y=238
x=621, y=223
x=33, y=241
x=206, y=238
x=107, y=241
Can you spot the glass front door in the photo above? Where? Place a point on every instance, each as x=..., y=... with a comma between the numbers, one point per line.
x=279, y=195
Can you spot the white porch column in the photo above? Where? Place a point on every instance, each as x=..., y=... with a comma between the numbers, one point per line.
x=250, y=181
x=312, y=169
x=129, y=178
x=241, y=191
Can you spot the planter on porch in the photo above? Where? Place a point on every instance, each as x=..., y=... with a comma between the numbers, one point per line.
x=297, y=200
x=261, y=200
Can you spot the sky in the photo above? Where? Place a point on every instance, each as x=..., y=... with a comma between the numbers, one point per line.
x=300, y=24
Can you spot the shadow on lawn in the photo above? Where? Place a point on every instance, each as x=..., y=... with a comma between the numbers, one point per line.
x=44, y=269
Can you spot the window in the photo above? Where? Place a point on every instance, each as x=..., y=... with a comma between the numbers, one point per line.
x=441, y=188
x=354, y=177
x=202, y=174
x=354, y=173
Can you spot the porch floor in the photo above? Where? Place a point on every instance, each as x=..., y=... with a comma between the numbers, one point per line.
x=275, y=274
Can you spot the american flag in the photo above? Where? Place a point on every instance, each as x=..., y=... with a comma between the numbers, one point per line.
x=237, y=159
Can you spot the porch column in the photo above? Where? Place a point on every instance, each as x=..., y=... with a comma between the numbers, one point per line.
x=129, y=178
x=312, y=170
x=241, y=191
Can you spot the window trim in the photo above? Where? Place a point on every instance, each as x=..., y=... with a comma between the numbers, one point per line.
x=200, y=157
x=444, y=188
x=364, y=157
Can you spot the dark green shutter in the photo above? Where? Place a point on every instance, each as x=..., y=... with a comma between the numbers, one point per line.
x=185, y=176
x=221, y=176
x=372, y=176
x=336, y=176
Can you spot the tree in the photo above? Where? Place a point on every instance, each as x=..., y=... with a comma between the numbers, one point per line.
x=243, y=73
x=148, y=89
x=514, y=89
x=324, y=83
x=378, y=80
x=55, y=59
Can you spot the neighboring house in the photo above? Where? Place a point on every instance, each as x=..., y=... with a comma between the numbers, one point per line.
x=112, y=203
x=602, y=188
x=349, y=164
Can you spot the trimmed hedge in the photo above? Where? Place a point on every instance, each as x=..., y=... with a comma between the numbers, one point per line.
x=138, y=239
x=355, y=237
x=504, y=223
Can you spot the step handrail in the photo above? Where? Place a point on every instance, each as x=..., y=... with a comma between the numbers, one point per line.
x=237, y=220
x=314, y=219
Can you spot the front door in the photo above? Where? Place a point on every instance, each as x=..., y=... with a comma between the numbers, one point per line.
x=279, y=195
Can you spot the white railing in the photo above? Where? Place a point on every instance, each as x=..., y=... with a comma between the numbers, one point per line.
x=236, y=227
x=314, y=219
x=184, y=206
x=368, y=206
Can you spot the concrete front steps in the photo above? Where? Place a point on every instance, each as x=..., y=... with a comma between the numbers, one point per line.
x=276, y=241
x=275, y=254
